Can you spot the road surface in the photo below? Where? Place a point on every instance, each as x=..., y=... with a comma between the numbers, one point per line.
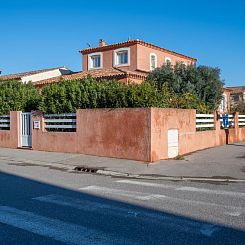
x=39, y=205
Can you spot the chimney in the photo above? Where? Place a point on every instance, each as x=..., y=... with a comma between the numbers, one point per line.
x=102, y=43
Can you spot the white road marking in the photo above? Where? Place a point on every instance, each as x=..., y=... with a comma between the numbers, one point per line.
x=233, y=214
x=53, y=228
x=132, y=194
x=147, y=196
x=208, y=191
x=135, y=182
x=183, y=188
x=160, y=219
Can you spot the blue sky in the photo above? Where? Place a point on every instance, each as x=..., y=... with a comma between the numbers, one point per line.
x=37, y=34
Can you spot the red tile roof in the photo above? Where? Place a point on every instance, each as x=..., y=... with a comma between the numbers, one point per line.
x=130, y=43
x=238, y=89
x=110, y=73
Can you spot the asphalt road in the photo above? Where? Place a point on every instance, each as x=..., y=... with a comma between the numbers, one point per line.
x=39, y=205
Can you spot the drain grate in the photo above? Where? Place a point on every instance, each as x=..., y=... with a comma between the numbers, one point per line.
x=86, y=169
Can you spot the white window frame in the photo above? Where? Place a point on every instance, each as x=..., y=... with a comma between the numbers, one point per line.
x=115, y=58
x=167, y=59
x=90, y=61
x=153, y=54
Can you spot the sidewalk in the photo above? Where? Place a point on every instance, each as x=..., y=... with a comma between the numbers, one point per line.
x=220, y=163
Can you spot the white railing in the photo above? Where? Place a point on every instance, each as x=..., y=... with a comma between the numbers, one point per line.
x=204, y=121
x=5, y=122
x=241, y=120
x=60, y=122
x=230, y=121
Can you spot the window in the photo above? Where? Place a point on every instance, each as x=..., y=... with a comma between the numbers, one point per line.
x=95, y=61
x=153, y=62
x=167, y=59
x=122, y=57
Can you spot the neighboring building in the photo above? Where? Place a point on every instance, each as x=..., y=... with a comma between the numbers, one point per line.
x=126, y=61
x=225, y=105
x=237, y=94
x=38, y=75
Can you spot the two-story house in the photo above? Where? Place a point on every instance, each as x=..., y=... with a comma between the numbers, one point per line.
x=126, y=61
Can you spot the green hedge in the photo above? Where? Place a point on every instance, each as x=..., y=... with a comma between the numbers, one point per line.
x=16, y=96
x=67, y=96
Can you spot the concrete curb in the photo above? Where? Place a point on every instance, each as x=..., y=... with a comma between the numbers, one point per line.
x=171, y=178
x=73, y=169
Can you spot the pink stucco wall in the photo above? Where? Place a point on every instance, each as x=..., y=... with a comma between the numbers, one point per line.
x=108, y=57
x=11, y=138
x=138, y=134
x=139, y=58
x=190, y=140
x=143, y=57
x=121, y=133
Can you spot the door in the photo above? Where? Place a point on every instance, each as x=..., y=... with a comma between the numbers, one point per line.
x=26, y=129
x=173, y=143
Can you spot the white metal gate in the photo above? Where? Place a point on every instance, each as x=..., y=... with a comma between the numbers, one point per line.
x=26, y=129
x=173, y=143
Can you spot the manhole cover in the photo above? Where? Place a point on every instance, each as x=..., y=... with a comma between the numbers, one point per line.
x=86, y=169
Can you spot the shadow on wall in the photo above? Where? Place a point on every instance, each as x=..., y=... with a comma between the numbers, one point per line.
x=32, y=211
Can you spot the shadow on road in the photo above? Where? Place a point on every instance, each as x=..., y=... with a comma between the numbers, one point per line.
x=237, y=145
x=33, y=212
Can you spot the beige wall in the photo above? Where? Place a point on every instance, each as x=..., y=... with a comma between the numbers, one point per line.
x=45, y=75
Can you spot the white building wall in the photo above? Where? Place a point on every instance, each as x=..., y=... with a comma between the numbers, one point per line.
x=45, y=75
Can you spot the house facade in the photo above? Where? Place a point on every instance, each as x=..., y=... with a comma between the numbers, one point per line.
x=237, y=94
x=134, y=56
x=225, y=104
x=126, y=61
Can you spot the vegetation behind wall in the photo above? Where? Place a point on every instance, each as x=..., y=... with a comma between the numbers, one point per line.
x=16, y=96
x=239, y=107
x=68, y=96
x=202, y=82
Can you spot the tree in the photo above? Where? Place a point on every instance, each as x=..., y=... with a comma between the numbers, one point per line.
x=239, y=107
x=202, y=82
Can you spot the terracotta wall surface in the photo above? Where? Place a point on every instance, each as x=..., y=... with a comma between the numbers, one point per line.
x=11, y=138
x=190, y=140
x=138, y=134
x=164, y=119
x=121, y=133
x=143, y=57
x=139, y=58
x=108, y=59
